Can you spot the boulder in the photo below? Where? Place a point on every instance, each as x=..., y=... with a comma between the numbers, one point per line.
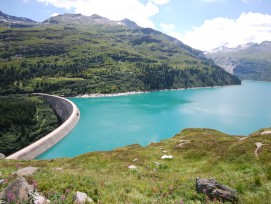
x=17, y=191
x=214, y=190
x=59, y=169
x=81, y=198
x=2, y=156
x=132, y=167
x=37, y=198
x=27, y=171
x=167, y=157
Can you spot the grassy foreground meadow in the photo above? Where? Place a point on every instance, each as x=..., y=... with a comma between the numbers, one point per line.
x=203, y=153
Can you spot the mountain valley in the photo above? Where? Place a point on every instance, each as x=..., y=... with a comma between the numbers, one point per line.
x=72, y=54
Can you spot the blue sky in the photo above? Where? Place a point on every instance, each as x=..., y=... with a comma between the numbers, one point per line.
x=202, y=24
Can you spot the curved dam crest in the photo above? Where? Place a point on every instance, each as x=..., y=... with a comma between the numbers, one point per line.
x=69, y=114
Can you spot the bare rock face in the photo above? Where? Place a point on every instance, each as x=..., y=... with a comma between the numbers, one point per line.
x=17, y=191
x=215, y=190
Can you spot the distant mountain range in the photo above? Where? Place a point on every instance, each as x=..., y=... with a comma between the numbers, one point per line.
x=78, y=19
x=73, y=54
x=15, y=22
x=250, y=61
x=72, y=19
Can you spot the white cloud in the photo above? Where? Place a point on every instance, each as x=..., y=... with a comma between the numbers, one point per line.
x=170, y=30
x=176, y=35
x=249, y=27
x=211, y=0
x=114, y=10
x=167, y=27
x=160, y=2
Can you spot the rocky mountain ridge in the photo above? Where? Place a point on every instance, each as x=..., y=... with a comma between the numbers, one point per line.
x=226, y=48
x=70, y=19
x=77, y=19
x=15, y=22
x=251, y=61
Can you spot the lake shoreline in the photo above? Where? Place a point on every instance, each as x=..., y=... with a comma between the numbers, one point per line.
x=97, y=95
x=107, y=123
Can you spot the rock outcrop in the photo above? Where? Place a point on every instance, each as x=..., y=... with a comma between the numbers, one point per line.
x=214, y=190
x=20, y=191
x=17, y=191
x=81, y=198
x=38, y=199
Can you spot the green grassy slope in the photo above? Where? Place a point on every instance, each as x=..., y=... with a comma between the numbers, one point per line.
x=105, y=176
x=76, y=59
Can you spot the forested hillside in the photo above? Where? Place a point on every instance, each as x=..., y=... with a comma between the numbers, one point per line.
x=75, y=54
x=24, y=120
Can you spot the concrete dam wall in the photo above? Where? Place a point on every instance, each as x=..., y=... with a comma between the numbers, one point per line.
x=69, y=114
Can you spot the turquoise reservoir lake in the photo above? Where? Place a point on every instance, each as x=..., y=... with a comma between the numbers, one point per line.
x=110, y=122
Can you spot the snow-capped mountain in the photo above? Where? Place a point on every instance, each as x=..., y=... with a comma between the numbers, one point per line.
x=247, y=61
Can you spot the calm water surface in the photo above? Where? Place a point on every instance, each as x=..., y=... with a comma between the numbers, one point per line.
x=110, y=122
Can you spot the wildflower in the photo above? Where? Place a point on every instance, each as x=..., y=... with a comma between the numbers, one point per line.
x=5, y=181
x=63, y=197
x=67, y=190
